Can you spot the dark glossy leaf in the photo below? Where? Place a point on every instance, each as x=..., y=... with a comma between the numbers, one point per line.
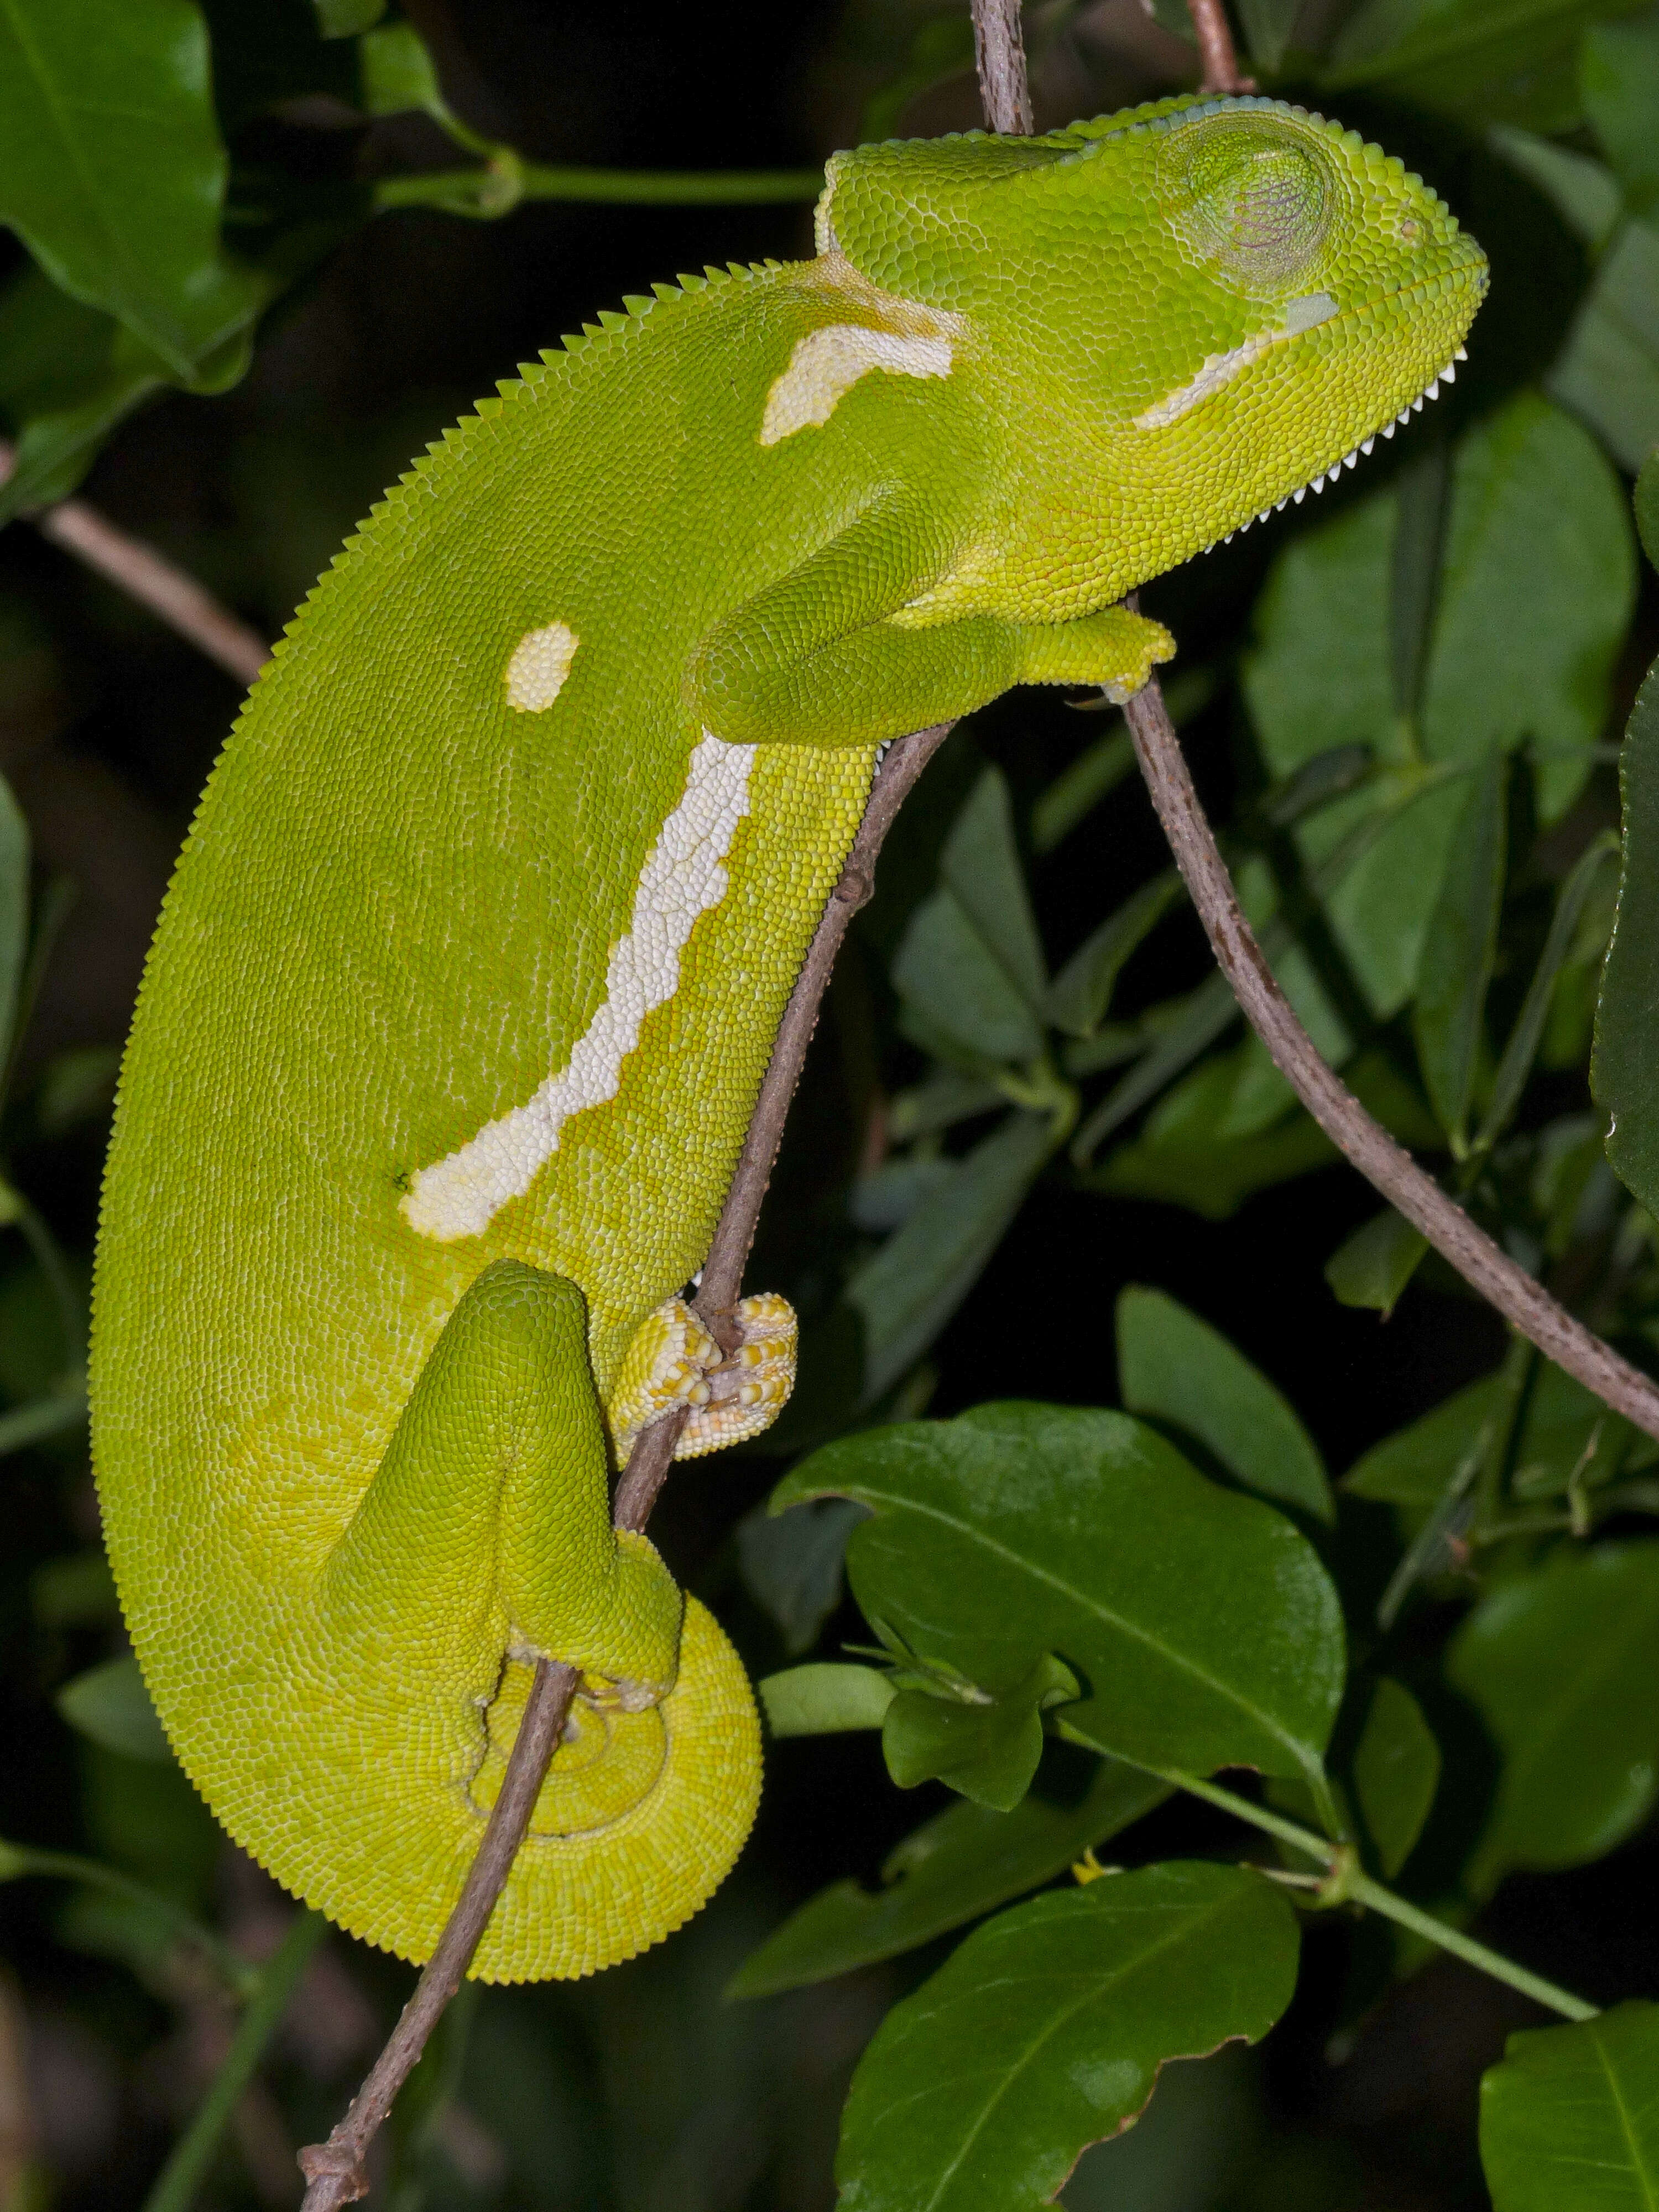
x=1583, y=191
x=793, y=1564
x=1647, y=507
x=1536, y=596
x=1562, y=1663
x=986, y=1749
x=1188, y=1155
x=907, y=1292
x=1176, y=1368
x=112, y=169
x=111, y=1705
x=1481, y=61
x=1045, y=2031
x=970, y=963
x=1608, y=372
x=964, y=1863
x=1593, y=869
x=345, y=19
x=1458, y=957
x=1532, y=600
x=1373, y=1267
x=1619, y=73
x=1393, y=1773
x=825, y=1699
x=1267, y=25
x=1625, y=1073
x=1201, y=1625
x=1079, y=995
x=69, y=375
x=946, y=973
x=1569, y=2121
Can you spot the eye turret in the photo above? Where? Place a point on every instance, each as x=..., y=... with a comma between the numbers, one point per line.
x=1249, y=199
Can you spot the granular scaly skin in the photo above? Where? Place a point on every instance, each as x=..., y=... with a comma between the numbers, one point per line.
x=471, y=966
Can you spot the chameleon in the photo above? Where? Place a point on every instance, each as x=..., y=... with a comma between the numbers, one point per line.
x=465, y=982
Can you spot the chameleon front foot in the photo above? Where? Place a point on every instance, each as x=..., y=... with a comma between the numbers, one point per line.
x=674, y=1361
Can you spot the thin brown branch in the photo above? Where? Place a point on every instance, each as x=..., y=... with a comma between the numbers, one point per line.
x=335, y=2171
x=171, y=594
x=1216, y=51
x=999, y=50
x=1516, y=1295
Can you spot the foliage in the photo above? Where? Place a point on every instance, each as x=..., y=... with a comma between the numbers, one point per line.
x=1007, y=1607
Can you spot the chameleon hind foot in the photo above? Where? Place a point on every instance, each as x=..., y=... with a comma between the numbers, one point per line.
x=674, y=1361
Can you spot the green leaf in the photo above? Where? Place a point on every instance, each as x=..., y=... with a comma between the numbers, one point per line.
x=1267, y=25
x=397, y=72
x=1560, y=1421
x=792, y=1565
x=1536, y=596
x=1479, y=61
x=111, y=1705
x=964, y=1861
x=1562, y=1663
x=14, y=913
x=1619, y=73
x=1202, y=1625
x=904, y=1295
x=1532, y=601
x=970, y=962
x=1569, y=2121
x=345, y=19
x=946, y=974
x=1045, y=2031
x=1647, y=507
x=1584, y=192
x=1079, y=995
x=1373, y=1267
x=825, y=1699
x=985, y=1748
x=1625, y=1072
x=1176, y=1368
x=1394, y=1773
x=1607, y=371
x=1458, y=959
x=112, y=171
x=1573, y=902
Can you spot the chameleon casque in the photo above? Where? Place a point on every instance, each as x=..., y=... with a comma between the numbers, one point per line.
x=472, y=963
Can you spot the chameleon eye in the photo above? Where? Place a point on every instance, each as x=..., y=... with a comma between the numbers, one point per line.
x=1252, y=201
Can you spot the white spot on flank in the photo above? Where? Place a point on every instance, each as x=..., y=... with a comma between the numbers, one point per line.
x=829, y=363
x=683, y=876
x=539, y=664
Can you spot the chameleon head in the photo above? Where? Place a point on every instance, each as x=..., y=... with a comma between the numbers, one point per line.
x=1233, y=296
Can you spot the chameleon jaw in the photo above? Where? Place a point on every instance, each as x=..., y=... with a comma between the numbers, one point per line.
x=1350, y=459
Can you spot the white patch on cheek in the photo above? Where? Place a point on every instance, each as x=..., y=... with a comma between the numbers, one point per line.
x=829, y=363
x=685, y=876
x=539, y=664
x=1220, y=368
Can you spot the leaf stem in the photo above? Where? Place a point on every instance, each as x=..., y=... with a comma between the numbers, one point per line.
x=1360, y=1889
x=179, y=2180
x=20, y=1860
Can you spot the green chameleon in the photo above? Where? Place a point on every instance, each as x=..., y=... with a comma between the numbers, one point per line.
x=472, y=963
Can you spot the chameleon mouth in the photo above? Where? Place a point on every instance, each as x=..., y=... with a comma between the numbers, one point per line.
x=1364, y=446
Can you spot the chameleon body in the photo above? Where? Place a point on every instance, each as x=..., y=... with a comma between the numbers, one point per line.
x=467, y=979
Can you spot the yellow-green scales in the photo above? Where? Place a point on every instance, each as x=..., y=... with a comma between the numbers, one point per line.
x=481, y=936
